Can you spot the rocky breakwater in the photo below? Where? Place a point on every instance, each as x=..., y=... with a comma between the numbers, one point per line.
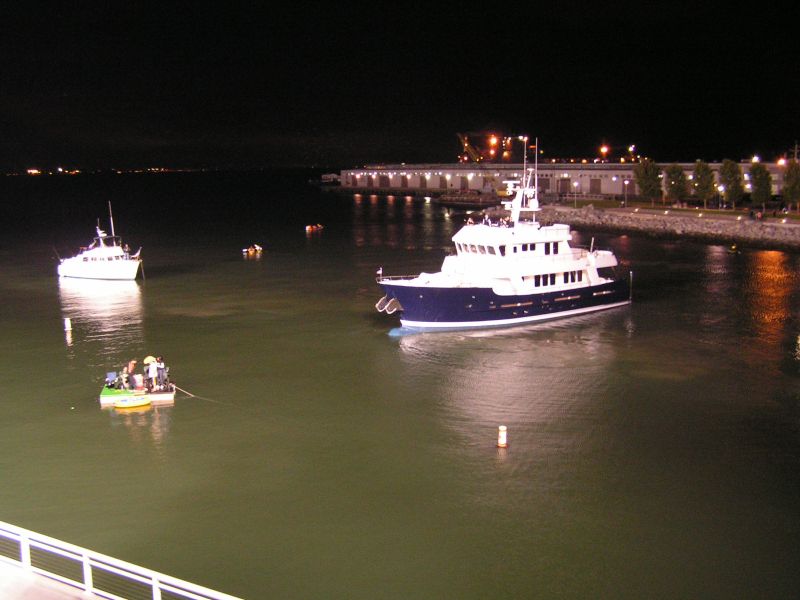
x=715, y=228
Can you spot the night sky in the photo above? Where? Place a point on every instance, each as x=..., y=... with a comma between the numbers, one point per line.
x=126, y=85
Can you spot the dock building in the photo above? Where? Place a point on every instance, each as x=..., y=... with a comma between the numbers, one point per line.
x=555, y=179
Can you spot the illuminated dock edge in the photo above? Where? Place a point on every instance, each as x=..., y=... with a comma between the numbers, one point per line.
x=92, y=572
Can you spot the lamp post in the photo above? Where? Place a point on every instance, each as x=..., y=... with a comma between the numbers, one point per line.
x=625, y=186
x=575, y=190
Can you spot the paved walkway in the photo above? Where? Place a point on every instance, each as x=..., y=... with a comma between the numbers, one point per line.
x=18, y=584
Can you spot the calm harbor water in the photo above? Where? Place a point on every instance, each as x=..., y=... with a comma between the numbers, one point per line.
x=654, y=449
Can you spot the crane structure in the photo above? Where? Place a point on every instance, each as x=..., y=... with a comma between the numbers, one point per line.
x=485, y=146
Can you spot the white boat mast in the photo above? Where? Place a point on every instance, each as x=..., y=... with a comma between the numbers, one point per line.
x=111, y=218
x=524, y=139
x=536, y=171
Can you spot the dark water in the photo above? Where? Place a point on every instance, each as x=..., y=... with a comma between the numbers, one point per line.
x=654, y=450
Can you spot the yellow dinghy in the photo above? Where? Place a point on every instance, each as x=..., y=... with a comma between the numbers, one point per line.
x=132, y=401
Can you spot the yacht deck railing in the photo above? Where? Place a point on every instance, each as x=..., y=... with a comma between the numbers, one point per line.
x=93, y=572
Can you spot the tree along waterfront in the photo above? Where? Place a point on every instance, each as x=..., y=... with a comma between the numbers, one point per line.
x=733, y=187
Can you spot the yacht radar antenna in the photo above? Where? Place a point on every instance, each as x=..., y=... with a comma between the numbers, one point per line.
x=526, y=197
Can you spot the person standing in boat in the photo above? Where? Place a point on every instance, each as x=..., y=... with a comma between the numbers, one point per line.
x=131, y=370
x=123, y=379
x=152, y=374
x=161, y=371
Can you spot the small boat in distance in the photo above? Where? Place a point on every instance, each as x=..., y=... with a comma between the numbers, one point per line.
x=252, y=251
x=105, y=258
x=507, y=271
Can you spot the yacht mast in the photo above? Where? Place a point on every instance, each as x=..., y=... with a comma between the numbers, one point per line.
x=111, y=218
x=524, y=139
x=536, y=170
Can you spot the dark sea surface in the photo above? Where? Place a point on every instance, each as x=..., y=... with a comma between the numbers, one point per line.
x=654, y=450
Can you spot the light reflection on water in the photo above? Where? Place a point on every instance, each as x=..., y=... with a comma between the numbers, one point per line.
x=530, y=375
x=106, y=318
x=145, y=426
x=767, y=293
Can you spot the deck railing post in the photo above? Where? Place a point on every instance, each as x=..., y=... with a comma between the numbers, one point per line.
x=88, y=582
x=156, y=589
x=25, y=550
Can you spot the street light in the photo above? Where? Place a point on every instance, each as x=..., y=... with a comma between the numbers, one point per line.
x=575, y=190
x=626, y=182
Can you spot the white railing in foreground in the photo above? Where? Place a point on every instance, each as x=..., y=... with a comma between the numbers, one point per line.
x=93, y=572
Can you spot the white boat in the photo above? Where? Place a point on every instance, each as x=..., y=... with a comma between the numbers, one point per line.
x=507, y=271
x=105, y=258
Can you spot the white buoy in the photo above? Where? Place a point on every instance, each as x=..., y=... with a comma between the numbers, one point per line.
x=502, y=440
x=67, y=324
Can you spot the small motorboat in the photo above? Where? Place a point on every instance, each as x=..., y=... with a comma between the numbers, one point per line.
x=252, y=251
x=115, y=395
x=127, y=398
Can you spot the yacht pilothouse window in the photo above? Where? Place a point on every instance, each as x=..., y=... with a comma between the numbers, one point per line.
x=476, y=249
x=550, y=245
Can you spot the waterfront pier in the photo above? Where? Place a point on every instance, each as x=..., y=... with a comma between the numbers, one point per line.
x=725, y=226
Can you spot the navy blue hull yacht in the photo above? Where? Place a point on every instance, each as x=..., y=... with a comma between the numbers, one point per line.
x=504, y=272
